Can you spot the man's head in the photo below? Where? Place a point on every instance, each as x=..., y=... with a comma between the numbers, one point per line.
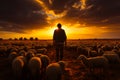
x=59, y=25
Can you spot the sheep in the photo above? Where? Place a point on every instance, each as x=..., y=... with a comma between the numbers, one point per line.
x=32, y=50
x=62, y=64
x=13, y=49
x=38, y=55
x=100, y=51
x=42, y=50
x=54, y=71
x=22, y=53
x=12, y=56
x=118, y=52
x=71, y=47
x=26, y=48
x=109, y=52
x=94, y=62
x=107, y=47
x=112, y=57
x=83, y=50
x=45, y=61
x=93, y=53
x=18, y=65
x=29, y=55
x=34, y=66
x=3, y=50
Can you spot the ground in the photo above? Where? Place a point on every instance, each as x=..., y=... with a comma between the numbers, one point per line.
x=75, y=70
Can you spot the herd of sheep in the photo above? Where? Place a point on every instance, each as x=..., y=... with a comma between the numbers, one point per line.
x=30, y=61
x=98, y=55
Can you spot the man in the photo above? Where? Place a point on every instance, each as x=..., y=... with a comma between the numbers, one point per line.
x=59, y=40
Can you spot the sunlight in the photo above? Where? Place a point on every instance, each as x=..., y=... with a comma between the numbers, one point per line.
x=47, y=32
x=75, y=31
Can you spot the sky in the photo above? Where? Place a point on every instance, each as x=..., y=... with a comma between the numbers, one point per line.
x=81, y=19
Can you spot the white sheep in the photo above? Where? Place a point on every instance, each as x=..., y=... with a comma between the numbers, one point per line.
x=109, y=52
x=29, y=55
x=62, y=64
x=35, y=66
x=13, y=49
x=71, y=47
x=22, y=53
x=117, y=52
x=45, y=61
x=42, y=50
x=12, y=56
x=32, y=50
x=17, y=66
x=3, y=50
x=112, y=57
x=83, y=50
x=107, y=47
x=100, y=51
x=38, y=55
x=94, y=62
x=93, y=53
x=54, y=71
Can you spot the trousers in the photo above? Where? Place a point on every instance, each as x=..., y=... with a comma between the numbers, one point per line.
x=59, y=51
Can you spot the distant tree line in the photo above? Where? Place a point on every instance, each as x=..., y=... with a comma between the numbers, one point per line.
x=24, y=38
x=1, y=39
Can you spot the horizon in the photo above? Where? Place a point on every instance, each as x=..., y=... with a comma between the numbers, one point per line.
x=18, y=39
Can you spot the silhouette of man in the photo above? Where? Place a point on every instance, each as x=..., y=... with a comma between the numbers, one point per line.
x=59, y=40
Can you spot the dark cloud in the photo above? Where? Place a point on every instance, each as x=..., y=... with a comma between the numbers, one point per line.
x=11, y=27
x=58, y=6
x=102, y=10
x=27, y=13
x=96, y=12
x=22, y=12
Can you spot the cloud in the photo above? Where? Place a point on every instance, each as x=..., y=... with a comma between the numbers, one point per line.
x=96, y=12
x=22, y=12
x=11, y=27
x=102, y=10
x=32, y=14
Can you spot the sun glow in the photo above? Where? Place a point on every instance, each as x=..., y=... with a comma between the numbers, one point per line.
x=47, y=32
x=73, y=31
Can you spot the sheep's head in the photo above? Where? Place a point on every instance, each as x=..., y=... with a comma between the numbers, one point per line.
x=62, y=64
x=29, y=55
x=81, y=57
x=14, y=50
x=22, y=53
x=45, y=60
x=84, y=59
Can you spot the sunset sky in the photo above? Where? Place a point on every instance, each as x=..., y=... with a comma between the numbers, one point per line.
x=81, y=19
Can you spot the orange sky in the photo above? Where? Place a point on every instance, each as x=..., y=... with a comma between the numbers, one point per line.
x=73, y=32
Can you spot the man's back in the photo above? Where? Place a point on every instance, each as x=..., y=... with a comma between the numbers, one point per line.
x=59, y=35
